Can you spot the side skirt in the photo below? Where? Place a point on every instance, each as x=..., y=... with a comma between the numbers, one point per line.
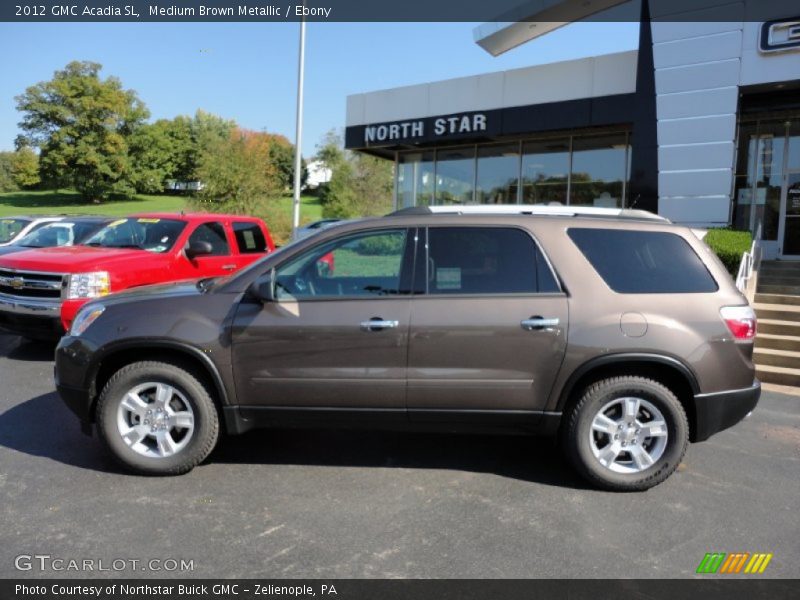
x=239, y=419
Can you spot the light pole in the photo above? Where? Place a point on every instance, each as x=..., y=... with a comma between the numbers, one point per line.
x=298, y=138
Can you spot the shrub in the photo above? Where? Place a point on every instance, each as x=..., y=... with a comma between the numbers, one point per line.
x=729, y=246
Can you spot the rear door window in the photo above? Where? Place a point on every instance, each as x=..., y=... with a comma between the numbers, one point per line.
x=249, y=237
x=486, y=260
x=214, y=234
x=644, y=262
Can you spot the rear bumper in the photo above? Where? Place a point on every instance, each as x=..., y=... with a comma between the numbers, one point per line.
x=722, y=410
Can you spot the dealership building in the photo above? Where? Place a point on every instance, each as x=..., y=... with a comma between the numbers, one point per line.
x=701, y=124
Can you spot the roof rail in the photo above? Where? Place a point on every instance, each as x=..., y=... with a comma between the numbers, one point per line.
x=531, y=209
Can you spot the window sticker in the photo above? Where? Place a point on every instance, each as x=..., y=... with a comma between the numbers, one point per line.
x=249, y=239
x=117, y=223
x=448, y=278
x=148, y=220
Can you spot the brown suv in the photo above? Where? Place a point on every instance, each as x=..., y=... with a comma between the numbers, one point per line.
x=616, y=330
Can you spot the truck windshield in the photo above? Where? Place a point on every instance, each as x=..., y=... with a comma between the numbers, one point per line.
x=10, y=228
x=143, y=233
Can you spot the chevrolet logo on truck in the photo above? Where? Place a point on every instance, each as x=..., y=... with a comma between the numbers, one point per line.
x=16, y=283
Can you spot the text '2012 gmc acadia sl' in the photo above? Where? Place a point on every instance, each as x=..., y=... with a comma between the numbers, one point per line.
x=616, y=330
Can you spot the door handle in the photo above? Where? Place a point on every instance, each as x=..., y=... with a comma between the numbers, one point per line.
x=538, y=323
x=378, y=324
x=228, y=267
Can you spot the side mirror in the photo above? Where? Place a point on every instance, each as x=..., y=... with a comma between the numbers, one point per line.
x=263, y=288
x=198, y=249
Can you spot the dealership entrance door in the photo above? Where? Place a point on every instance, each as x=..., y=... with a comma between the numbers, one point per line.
x=767, y=200
x=790, y=216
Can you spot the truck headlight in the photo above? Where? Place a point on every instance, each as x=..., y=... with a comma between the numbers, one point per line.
x=85, y=317
x=89, y=285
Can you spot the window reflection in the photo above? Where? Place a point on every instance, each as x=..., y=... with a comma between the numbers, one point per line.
x=498, y=174
x=598, y=171
x=415, y=175
x=455, y=176
x=545, y=172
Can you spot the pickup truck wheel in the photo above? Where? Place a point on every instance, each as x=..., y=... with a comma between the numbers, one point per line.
x=157, y=418
x=626, y=433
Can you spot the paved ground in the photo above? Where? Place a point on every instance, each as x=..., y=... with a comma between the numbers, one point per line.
x=310, y=504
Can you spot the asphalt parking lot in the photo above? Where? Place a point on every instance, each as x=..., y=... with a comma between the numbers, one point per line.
x=350, y=504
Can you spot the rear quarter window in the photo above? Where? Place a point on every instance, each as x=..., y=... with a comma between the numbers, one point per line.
x=644, y=262
x=249, y=237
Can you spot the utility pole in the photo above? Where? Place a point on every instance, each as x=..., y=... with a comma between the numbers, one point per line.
x=298, y=138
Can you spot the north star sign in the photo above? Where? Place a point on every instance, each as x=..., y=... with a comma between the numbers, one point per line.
x=455, y=125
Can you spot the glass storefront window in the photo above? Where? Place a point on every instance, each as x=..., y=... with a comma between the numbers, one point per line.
x=582, y=170
x=599, y=171
x=545, y=172
x=415, y=179
x=498, y=174
x=455, y=175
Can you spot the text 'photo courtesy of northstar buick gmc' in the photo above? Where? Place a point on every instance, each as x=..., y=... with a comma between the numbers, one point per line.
x=614, y=330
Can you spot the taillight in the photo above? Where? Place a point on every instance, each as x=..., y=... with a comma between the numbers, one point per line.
x=741, y=320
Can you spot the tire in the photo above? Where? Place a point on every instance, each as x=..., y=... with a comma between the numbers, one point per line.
x=633, y=460
x=179, y=431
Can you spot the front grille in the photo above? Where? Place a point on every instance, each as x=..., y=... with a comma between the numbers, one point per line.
x=30, y=284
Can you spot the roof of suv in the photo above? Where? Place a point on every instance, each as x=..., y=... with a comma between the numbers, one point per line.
x=533, y=210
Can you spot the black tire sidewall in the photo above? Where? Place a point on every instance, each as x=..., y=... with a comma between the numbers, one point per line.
x=677, y=432
x=205, y=430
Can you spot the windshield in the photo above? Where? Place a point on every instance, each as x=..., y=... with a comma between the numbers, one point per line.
x=54, y=234
x=143, y=233
x=10, y=228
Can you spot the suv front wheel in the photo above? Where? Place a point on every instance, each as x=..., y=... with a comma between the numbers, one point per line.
x=626, y=433
x=157, y=418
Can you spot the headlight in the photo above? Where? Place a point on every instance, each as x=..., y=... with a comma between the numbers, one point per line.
x=85, y=317
x=89, y=285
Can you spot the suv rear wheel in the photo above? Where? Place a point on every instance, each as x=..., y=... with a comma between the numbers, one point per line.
x=626, y=433
x=157, y=418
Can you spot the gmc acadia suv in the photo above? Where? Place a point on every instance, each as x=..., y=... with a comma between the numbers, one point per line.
x=616, y=330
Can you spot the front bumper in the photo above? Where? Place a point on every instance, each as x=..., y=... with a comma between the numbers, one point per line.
x=31, y=317
x=71, y=374
x=721, y=410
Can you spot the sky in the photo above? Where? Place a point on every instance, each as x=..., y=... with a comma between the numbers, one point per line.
x=248, y=71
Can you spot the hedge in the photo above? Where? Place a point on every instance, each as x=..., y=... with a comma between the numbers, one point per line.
x=729, y=245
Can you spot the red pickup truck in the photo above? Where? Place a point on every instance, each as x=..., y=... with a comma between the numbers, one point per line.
x=41, y=290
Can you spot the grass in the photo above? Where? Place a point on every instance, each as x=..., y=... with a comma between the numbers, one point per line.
x=68, y=202
x=350, y=263
x=310, y=208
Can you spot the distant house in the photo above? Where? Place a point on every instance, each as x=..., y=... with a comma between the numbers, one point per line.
x=318, y=174
x=184, y=186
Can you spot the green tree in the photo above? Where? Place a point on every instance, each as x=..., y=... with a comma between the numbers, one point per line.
x=82, y=125
x=7, y=183
x=237, y=173
x=360, y=185
x=282, y=158
x=25, y=167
